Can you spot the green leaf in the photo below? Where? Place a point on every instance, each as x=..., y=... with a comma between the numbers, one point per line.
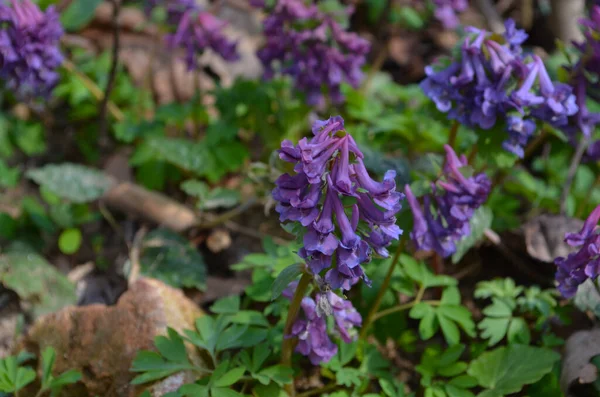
x=481, y=220
x=250, y=317
x=284, y=278
x=195, y=188
x=69, y=241
x=171, y=347
x=279, y=374
x=78, y=14
x=31, y=277
x=172, y=259
x=13, y=377
x=66, y=378
x=9, y=177
x=494, y=329
x=507, y=369
x=230, y=377
x=518, y=331
x=227, y=305
x=48, y=357
x=73, y=182
x=220, y=198
x=223, y=392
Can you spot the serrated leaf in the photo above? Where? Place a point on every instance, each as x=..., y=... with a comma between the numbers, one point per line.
x=173, y=260
x=507, y=369
x=481, y=220
x=285, y=277
x=14, y=377
x=73, y=182
x=31, y=277
x=494, y=329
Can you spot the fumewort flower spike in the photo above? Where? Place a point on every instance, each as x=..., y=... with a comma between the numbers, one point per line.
x=194, y=30
x=29, y=47
x=313, y=48
x=338, y=236
x=585, y=262
x=492, y=83
x=311, y=328
x=584, y=79
x=444, y=217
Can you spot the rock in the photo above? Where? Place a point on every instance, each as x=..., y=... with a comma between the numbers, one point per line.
x=101, y=341
x=545, y=235
x=577, y=370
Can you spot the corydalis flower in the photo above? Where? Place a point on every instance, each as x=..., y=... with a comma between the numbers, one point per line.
x=444, y=217
x=446, y=10
x=492, y=82
x=29, y=47
x=195, y=30
x=584, y=77
x=311, y=326
x=583, y=263
x=328, y=167
x=311, y=47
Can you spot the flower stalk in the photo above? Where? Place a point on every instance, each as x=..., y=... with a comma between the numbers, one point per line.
x=287, y=347
x=384, y=286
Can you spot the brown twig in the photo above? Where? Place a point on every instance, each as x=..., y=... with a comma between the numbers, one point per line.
x=102, y=119
x=134, y=255
x=581, y=147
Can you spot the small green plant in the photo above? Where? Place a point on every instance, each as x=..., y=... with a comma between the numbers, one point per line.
x=15, y=376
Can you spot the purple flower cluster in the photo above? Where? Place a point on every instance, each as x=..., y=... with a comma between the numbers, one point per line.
x=29, y=48
x=328, y=168
x=194, y=30
x=493, y=82
x=446, y=10
x=584, y=78
x=311, y=47
x=444, y=218
x=311, y=328
x=585, y=262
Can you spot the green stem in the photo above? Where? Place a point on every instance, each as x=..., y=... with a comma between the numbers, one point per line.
x=453, y=134
x=403, y=307
x=319, y=391
x=288, y=343
x=382, y=290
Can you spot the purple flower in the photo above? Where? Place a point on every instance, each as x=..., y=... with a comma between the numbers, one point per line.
x=311, y=47
x=583, y=263
x=329, y=167
x=519, y=132
x=195, y=30
x=492, y=82
x=311, y=331
x=29, y=48
x=444, y=218
x=345, y=315
x=311, y=326
x=446, y=10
